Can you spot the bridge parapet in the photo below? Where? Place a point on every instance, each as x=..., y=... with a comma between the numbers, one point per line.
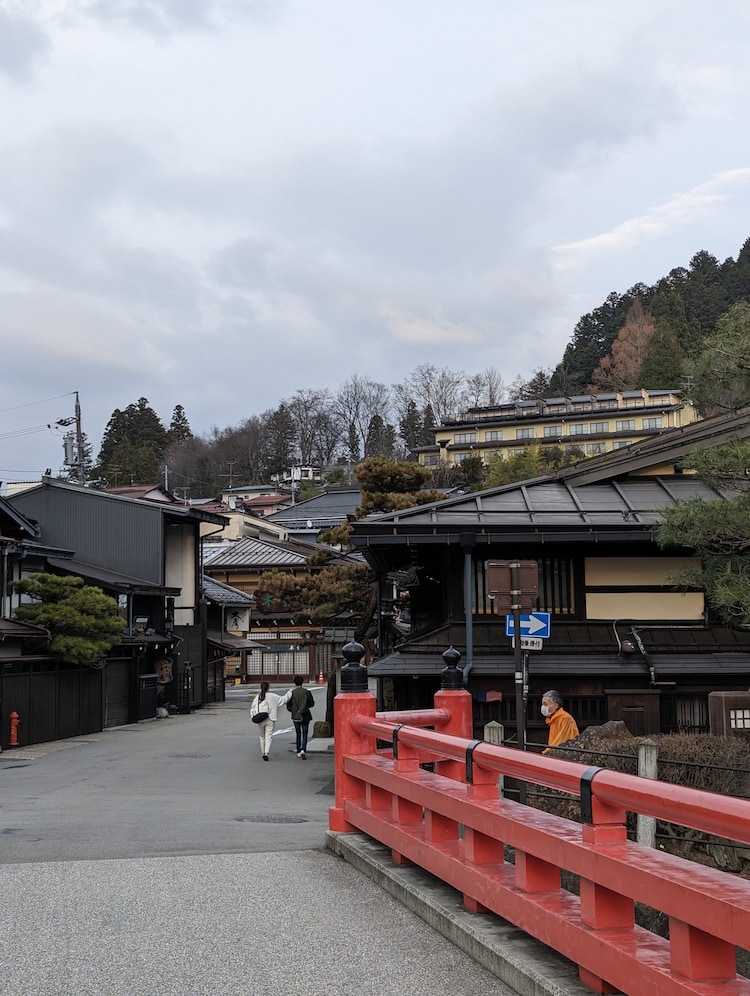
x=452, y=822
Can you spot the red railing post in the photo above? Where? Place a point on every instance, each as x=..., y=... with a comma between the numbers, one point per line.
x=457, y=701
x=699, y=956
x=353, y=699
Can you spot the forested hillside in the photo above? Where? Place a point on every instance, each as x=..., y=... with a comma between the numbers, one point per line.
x=644, y=336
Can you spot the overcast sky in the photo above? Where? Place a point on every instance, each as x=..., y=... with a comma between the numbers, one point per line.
x=214, y=203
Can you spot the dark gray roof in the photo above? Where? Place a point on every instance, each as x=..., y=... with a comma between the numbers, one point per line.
x=12, y=628
x=18, y=520
x=554, y=503
x=111, y=579
x=224, y=594
x=233, y=644
x=250, y=552
x=323, y=511
x=549, y=663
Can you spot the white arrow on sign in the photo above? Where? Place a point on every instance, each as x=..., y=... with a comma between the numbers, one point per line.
x=533, y=624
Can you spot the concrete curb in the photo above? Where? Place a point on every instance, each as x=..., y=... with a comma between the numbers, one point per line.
x=524, y=964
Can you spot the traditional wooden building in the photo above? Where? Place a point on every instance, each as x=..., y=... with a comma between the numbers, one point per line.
x=625, y=641
x=146, y=554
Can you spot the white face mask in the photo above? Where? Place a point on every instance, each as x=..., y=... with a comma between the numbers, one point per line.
x=546, y=711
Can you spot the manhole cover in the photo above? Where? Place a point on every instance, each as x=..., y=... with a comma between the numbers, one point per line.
x=271, y=818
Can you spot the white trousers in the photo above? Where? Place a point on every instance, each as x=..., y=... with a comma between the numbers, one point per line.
x=266, y=734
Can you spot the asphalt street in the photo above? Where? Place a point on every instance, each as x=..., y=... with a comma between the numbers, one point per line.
x=167, y=858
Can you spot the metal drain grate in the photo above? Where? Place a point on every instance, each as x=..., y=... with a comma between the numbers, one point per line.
x=271, y=818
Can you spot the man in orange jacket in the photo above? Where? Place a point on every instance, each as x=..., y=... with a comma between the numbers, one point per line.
x=562, y=726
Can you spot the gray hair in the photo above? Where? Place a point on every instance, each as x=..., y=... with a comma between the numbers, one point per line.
x=555, y=696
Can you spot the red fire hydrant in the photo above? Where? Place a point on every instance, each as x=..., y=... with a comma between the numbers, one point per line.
x=14, y=721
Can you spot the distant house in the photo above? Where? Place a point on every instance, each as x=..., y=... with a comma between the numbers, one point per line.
x=306, y=519
x=228, y=622
x=624, y=642
x=580, y=426
x=292, y=643
x=146, y=554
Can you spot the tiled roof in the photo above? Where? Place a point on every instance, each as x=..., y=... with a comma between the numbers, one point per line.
x=224, y=594
x=251, y=552
x=323, y=511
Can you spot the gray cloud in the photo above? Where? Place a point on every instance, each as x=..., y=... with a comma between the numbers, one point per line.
x=165, y=17
x=23, y=45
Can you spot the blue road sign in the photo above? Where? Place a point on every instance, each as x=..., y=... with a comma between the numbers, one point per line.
x=533, y=624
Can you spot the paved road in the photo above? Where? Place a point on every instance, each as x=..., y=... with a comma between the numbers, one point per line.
x=168, y=858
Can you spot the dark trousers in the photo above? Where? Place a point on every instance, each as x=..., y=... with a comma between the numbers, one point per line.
x=300, y=728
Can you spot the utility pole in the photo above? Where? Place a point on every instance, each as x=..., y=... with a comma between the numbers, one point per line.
x=79, y=443
x=230, y=476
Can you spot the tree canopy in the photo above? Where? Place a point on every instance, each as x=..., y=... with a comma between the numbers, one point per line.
x=83, y=622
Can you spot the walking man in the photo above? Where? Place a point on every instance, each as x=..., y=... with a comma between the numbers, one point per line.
x=300, y=704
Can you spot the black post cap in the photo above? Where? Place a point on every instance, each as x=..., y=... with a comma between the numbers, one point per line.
x=353, y=673
x=450, y=677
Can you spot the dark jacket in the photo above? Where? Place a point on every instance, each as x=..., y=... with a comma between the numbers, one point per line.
x=301, y=702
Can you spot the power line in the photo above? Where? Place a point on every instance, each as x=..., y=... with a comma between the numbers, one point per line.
x=42, y=402
x=27, y=432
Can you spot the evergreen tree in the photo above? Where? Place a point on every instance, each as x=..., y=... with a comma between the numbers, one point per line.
x=280, y=436
x=144, y=428
x=179, y=428
x=380, y=440
x=114, y=434
x=704, y=295
x=410, y=426
x=472, y=472
x=83, y=622
x=592, y=339
x=721, y=374
x=663, y=364
x=428, y=422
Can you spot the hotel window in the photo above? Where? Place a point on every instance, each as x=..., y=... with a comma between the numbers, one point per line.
x=493, y=437
x=525, y=433
x=554, y=431
x=431, y=459
x=599, y=427
x=593, y=448
x=465, y=437
x=620, y=443
x=625, y=425
x=460, y=457
x=517, y=452
x=579, y=430
x=556, y=409
x=652, y=423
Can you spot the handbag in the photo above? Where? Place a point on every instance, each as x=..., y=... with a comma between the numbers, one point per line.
x=259, y=717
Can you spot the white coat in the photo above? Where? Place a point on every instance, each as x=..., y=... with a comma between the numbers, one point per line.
x=270, y=704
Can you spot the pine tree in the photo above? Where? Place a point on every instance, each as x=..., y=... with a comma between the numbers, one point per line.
x=410, y=427
x=83, y=622
x=179, y=428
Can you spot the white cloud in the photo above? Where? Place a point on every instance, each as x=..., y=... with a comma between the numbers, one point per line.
x=665, y=219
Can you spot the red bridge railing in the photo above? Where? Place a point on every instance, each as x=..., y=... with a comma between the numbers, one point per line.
x=452, y=822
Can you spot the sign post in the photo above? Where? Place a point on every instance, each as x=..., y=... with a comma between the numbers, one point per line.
x=514, y=584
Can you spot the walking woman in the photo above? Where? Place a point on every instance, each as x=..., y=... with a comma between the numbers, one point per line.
x=268, y=703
